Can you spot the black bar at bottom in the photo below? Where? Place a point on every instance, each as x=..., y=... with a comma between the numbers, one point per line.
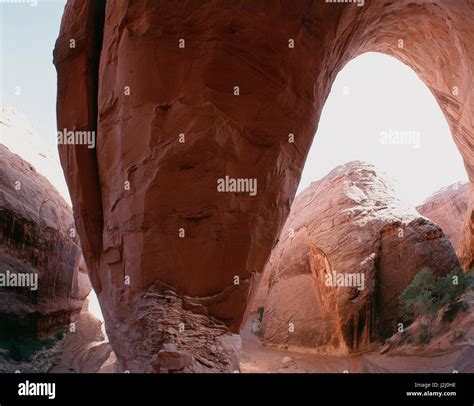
x=312, y=389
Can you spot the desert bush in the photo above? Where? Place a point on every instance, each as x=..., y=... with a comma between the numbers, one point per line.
x=260, y=311
x=418, y=298
x=447, y=289
x=427, y=293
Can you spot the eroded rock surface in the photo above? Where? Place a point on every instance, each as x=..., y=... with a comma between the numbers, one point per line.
x=466, y=246
x=181, y=333
x=347, y=224
x=448, y=208
x=226, y=76
x=85, y=349
x=35, y=238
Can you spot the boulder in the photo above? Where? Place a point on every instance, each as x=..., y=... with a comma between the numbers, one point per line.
x=84, y=349
x=346, y=252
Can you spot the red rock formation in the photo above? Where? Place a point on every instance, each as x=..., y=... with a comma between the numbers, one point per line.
x=466, y=247
x=85, y=349
x=448, y=209
x=227, y=76
x=35, y=224
x=347, y=224
x=260, y=298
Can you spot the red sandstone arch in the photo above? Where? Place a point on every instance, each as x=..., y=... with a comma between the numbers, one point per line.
x=190, y=90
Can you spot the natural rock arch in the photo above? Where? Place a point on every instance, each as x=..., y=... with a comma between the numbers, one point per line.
x=140, y=86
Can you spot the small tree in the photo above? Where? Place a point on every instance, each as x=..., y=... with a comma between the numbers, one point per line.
x=418, y=298
x=450, y=287
x=426, y=293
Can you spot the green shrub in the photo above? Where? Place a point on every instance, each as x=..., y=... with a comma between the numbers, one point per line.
x=418, y=297
x=450, y=287
x=427, y=293
x=260, y=311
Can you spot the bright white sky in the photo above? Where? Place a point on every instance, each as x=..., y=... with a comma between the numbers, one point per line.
x=27, y=37
x=375, y=93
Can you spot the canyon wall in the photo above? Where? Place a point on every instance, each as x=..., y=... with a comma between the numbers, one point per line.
x=448, y=209
x=181, y=95
x=35, y=238
x=466, y=246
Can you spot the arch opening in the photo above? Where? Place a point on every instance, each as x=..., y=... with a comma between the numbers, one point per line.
x=379, y=123
x=379, y=111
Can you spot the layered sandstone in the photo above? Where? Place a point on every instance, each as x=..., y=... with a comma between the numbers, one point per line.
x=36, y=225
x=448, y=208
x=350, y=224
x=183, y=94
x=466, y=245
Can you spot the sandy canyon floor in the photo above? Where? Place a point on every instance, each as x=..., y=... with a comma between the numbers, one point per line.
x=258, y=358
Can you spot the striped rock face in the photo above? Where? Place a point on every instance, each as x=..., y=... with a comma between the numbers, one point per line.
x=182, y=95
x=43, y=280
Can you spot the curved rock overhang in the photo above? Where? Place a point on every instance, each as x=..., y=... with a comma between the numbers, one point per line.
x=240, y=81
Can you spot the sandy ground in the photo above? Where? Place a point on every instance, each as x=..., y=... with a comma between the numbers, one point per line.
x=256, y=358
